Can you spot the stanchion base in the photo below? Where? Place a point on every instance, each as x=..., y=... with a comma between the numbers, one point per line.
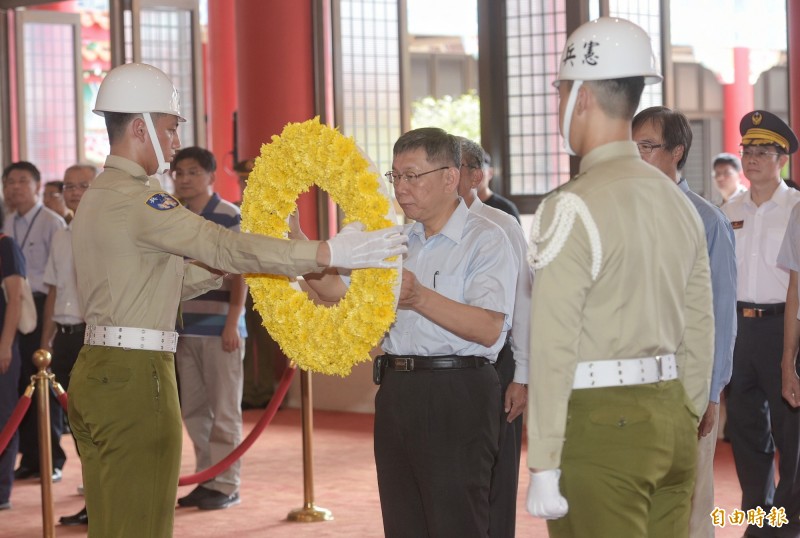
x=310, y=514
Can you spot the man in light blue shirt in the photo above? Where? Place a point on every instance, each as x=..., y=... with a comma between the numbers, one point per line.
x=33, y=226
x=438, y=410
x=664, y=138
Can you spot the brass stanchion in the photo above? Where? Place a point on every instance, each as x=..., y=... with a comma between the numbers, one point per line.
x=308, y=513
x=41, y=359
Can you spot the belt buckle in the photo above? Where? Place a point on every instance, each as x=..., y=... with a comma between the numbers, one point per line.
x=404, y=364
x=751, y=312
x=659, y=367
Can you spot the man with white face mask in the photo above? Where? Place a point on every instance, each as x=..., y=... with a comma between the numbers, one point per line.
x=130, y=240
x=622, y=324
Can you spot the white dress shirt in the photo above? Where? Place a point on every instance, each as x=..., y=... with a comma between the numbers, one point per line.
x=759, y=233
x=60, y=272
x=521, y=324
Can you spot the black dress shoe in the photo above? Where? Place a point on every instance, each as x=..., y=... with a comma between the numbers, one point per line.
x=218, y=500
x=194, y=498
x=23, y=473
x=81, y=518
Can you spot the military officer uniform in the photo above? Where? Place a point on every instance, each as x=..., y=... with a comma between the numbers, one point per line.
x=760, y=422
x=129, y=240
x=621, y=348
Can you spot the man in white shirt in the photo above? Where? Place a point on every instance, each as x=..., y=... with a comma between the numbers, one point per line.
x=760, y=421
x=63, y=324
x=512, y=362
x=728, y=175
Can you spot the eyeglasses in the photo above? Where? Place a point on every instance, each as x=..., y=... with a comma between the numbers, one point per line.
x=757, y=153
x=75, y=186
x=645, y=148
x=409, y=177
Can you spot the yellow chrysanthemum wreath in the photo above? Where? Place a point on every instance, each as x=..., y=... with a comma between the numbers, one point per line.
x=328, y=340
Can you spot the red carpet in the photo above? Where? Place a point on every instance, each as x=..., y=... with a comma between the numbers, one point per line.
x=272, y=486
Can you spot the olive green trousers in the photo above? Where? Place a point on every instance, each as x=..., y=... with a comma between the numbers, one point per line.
x=628, y=465
x=124, y=413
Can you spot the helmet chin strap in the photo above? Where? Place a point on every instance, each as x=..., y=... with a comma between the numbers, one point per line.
x=565, y=126
x=163, y=166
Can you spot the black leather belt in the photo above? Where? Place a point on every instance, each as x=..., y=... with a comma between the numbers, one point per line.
x=755, y=310
x=71, y=329
x=410, y=363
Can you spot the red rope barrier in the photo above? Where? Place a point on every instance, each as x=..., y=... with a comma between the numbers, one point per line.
x=63, y=399
x=13, y=422
x=263, y=422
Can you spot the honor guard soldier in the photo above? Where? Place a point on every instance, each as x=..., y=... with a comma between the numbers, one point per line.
x=130, y=239
x=760, y=421
x=621, y=319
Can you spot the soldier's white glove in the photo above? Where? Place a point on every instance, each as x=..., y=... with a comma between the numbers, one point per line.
x=355, y=249
x=544, y=498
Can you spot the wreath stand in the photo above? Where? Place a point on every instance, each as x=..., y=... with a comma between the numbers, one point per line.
x=309, y=512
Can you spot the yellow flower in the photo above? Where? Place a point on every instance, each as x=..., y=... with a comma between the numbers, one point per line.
x=328, y=340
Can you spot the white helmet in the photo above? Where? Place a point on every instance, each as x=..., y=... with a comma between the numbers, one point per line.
x=604, y=49
x=138, y=88
x=608, y=48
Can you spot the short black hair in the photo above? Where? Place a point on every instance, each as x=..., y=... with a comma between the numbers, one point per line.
x=204, y=158
x=439, y=145
x=55, y=183
x=729, y=159
x=618, y=97
x=116, y=122
x=23, y=165
x=675, y=128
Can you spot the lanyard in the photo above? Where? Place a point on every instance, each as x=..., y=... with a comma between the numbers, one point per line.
x=27, y=233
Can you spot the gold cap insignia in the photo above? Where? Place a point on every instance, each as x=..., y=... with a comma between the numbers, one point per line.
x=757, y=118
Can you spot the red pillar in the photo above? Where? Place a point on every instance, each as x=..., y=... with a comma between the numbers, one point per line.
x=275, y=69
x=793, y=23
x=738, y=100
x=64, y=6
x=221, y=94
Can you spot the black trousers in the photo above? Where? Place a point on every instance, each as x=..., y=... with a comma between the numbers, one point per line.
x=436, y=440
x=505, y=474
x=66, y=347
x=760, y=421
x=28, y=428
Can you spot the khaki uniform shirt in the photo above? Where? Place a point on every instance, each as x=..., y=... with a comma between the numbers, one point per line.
x=129, y=251
x=651, y=297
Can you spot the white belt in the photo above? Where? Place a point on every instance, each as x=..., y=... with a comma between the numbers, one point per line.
x=131, y=338
x=618, y=373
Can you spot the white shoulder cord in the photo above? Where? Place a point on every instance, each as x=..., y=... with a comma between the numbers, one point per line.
x=568, y=206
